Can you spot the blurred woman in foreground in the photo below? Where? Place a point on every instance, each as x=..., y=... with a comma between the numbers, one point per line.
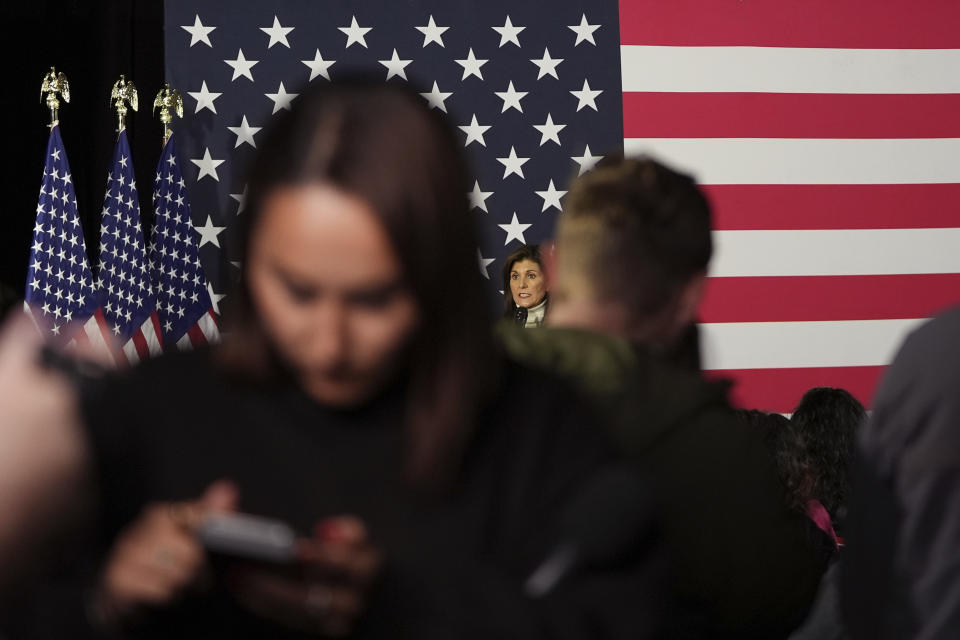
x=357, y=397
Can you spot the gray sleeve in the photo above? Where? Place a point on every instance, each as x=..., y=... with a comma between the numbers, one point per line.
x=912, y=445
x=928, y=485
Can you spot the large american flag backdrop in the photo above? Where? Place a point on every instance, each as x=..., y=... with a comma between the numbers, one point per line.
x=826, y=133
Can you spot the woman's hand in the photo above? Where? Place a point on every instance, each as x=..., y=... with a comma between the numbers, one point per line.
x=158, y=558
x=337, y=569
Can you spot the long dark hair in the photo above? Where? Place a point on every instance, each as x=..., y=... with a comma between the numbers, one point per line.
x=382, y=143
x=822, y=437
x=526, y=252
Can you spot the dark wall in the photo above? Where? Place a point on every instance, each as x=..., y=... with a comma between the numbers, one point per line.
x=93, y=42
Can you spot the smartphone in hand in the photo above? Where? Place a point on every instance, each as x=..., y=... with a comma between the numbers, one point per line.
x=249, y=537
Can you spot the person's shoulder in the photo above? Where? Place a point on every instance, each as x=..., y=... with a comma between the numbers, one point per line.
x=946, y=323
x=539, y=383
x=644, y=396
x=594, y=362
x=663, y=401
x=540, y=423
x=534, y=399
x=927, y=364
x=165, y=378
x=680, y=387
x=916, y=403
x=936, y=340
x=172, y=369
x=124, y=408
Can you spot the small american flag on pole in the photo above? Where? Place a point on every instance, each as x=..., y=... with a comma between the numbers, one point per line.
x=123, y=278
x=60, y=295
x=187, y=315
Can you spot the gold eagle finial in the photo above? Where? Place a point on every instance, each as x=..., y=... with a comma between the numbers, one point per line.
x=123, y=93
x=55, y=83
x=168, y=99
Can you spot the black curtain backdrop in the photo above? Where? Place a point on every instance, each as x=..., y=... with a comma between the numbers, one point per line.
x=92, y=42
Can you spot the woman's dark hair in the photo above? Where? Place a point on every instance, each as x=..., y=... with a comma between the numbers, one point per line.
x=526, y=252
x=382, y=143
x=822, y=436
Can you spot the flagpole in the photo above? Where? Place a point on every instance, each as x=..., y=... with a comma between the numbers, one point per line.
x=168, y=100
x=55, y=83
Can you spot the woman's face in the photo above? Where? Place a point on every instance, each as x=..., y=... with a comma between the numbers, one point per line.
x=527, y=284
x=328, y=287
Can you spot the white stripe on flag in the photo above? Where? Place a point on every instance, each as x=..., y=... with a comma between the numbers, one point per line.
x=846, y=252
x=149, y=330
x=130, y=350
x=184, y=343
x=98, y=334
x=209, y=327
x=807, y=161
x=774, y=345
x=789, y=70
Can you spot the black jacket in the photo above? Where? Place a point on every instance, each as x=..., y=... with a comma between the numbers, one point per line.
x=456, y=560
x=743, y=567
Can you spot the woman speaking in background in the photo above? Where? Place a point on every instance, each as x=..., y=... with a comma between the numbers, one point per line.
x=524, y=287
x=357, y=397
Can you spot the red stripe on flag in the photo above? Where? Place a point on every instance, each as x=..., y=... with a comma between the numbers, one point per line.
x=890, y=24
x=780, y=390
x=835, y=206
x=790, y=115
x=140, y=342
x=104, y=326
x=197, y=339
x=812, y=298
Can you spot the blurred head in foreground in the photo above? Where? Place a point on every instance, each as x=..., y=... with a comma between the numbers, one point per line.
x=357, y=226
x=632, y=249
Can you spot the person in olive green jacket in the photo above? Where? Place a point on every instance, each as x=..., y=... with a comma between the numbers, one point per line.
x=627, y=275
